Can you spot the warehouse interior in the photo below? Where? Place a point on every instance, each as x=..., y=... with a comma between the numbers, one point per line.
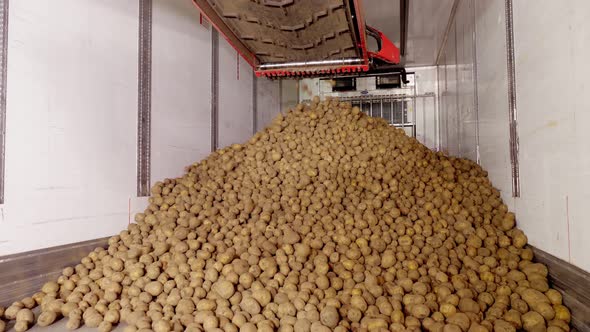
x=102, y=99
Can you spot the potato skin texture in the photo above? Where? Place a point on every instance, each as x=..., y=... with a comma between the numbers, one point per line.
x=325, y=220
x=533, y=321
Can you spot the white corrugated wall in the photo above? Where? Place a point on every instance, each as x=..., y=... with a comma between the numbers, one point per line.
x=551, y=70
x=72, y=108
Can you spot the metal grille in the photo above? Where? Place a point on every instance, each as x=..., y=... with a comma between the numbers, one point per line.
x=396, y=110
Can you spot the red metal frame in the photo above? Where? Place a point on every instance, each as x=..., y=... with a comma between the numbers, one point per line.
x=388, y=52
x=360, y=20
x=311, y=72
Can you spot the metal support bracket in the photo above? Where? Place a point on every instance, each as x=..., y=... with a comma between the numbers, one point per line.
x=254, y=103
x=214, y=89
x=144, y=98
x=512, y=111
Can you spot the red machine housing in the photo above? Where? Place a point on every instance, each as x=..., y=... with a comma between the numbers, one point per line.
x=388, y=52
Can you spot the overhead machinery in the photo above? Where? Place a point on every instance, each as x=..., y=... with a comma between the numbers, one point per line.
x=301, y=38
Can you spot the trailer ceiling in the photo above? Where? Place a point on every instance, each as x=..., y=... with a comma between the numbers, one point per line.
x=427, y=24
x=384, y=15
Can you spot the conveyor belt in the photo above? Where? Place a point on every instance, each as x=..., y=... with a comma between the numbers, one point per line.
x=289, y=30
x=279, y=33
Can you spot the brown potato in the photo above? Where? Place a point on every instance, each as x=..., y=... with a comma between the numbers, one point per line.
x=329, y=316
x=503, y=326
x=562, y=313
x=553, y=296
x=326, y=220
x=46, y=318
x=25, y=315
x=533, y=321
x=459, y=319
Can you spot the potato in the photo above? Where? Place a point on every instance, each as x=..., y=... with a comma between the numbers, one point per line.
x=2, y=326
x=554, y=329
x=452, y=328
x=533, y=296
x=519, y=239
x=326, y=220
x=503, y=326
x=419, y=311
x=112, y=316
x=73, y=323
x=154, y=288
x=67, y=308
x=301, y=325
x=475, y=327
x=250, y=305
x=21, y=326
x=25, y=315
x=553, y=296
x=185, y=306
x=516, y=275
x=562, y=313
x=545, y=309
x=329, y=316
x=105, y=326
x=535, y=269
x=540, y=284
x=50, y=287
x=55, y=306
x=11, y=312
x=354, y=315
x=46, y=318
x=533, y=321
x=560, y=323
x=161, y=326
x=469, y=305
x=430, y=325
x=92, y=318
x=447, y=309
x=376, y=324
x=28, y=302
x=459, y=319
x=513, y=317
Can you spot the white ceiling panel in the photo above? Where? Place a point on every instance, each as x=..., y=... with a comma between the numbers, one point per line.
x=384, y=16
x=426, y=27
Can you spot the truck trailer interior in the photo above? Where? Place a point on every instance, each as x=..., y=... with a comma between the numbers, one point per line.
x=294, y=165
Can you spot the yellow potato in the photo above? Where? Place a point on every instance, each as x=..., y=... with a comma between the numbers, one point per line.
x=562, y=313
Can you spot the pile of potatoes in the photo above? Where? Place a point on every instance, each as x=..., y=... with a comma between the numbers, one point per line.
x=327, y=220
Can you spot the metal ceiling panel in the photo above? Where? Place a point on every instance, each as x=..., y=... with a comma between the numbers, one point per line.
x=428, y=20
x=384, y=15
